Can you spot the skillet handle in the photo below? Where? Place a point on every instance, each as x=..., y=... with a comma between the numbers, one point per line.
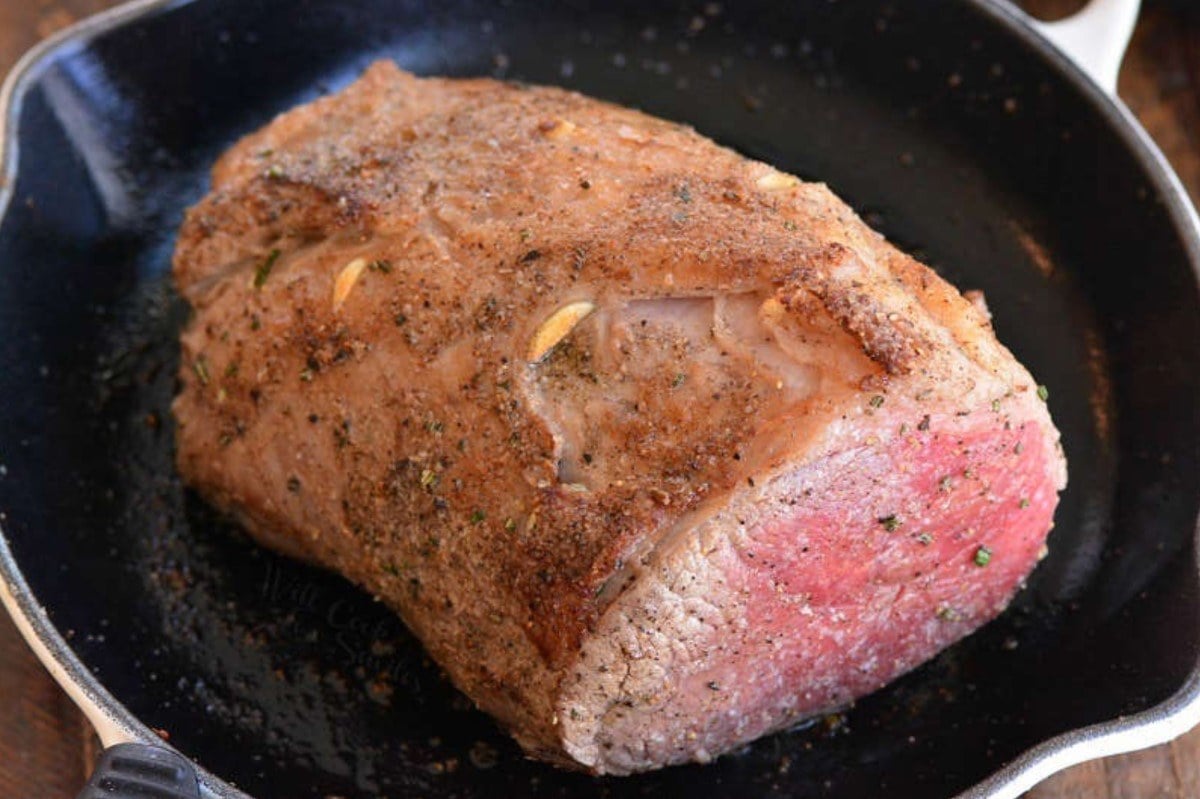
x=1095, y=38
x=137, y=771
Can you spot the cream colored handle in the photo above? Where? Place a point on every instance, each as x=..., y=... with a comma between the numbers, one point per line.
x=1096, y=38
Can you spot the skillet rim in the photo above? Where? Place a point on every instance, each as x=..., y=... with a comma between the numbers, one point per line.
x=115, y=723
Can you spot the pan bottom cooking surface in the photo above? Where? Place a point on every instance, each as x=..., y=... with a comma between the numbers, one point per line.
x=964, y=148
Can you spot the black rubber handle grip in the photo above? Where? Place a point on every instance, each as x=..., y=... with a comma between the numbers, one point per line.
x=140, y=771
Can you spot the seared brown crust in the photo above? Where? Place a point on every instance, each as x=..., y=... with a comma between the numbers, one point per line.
x=403, y=439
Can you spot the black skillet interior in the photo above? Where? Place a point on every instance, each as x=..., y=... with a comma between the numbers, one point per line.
x=945, y=130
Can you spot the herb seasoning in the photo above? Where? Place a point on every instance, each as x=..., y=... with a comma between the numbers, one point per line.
x=200, y=367
x=264, y=269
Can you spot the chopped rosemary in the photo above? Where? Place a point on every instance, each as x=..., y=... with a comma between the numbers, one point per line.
x=264, y=269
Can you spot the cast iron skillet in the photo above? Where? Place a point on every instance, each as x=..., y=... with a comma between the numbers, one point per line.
x=950, y=125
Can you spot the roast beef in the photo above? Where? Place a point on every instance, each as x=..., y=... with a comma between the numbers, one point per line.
x=656, y=449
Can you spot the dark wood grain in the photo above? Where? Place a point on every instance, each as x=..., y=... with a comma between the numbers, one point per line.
x=41, y=732
x=45, y=744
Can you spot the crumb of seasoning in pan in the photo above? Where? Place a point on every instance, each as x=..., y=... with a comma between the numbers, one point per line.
x=380, y=690
x=264, y=268
x=483, y=755
x=477, y=516
x=1043, y=393
x=983, y=556
x=891, y=522
x=876, y=401
x=835, y=723
x=380, y=265
x=925, y=539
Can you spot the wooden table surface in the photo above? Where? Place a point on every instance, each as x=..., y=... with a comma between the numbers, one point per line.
x=46, y=747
